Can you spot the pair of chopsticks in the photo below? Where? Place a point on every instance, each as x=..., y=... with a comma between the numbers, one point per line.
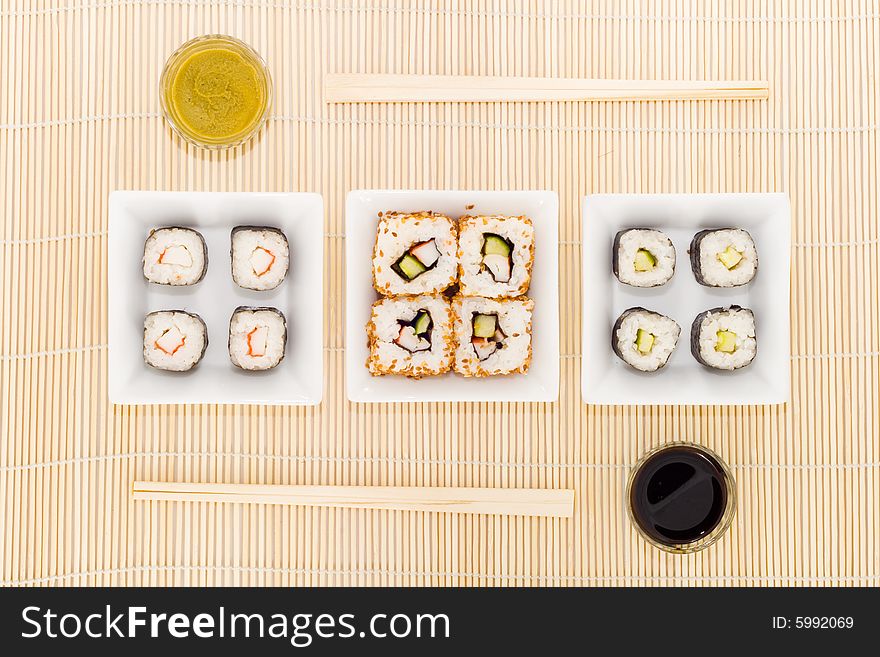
x=507, y=501
x=375, y=88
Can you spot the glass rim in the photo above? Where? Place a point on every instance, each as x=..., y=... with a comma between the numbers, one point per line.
x=173, y=63
x=723, y=524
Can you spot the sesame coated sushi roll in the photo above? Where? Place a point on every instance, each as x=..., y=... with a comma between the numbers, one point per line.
x=410, y=335
x=725, y=257
x=414, y=254
x=494, y=335
x=260, y=257
x=495, y=256
x=257, y=338
x=175, y=256
x=644, y=339
x=724, y=338
x=643, y=257
x=174, y=340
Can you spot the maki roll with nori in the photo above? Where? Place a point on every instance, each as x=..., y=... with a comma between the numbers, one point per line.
x=174, y=340
x=257, y=338
x=724, y=257
x=414, y=254
x=260, y=257
x=495, y=255
x=724, y=338
x=643, y=257
x=175, y=256
x=411, y=336
x=644, y=339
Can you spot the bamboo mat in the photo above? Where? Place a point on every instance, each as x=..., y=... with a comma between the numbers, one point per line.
x=79, y=117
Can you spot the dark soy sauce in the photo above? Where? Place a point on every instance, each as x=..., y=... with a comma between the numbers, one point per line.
x=679, y=495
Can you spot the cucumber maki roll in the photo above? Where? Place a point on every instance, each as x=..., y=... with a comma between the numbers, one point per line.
x=724, y=338
x=724, y=257
x=643, y=257
x=644, y=339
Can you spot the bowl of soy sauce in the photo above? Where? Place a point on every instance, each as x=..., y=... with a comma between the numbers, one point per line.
x=681, y=497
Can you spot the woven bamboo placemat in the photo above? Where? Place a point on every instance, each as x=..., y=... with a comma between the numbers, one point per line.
x=79, y=117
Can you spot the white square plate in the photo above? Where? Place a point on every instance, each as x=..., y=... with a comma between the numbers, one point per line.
x=297, y=380
x=608, y=380
x=539, y=384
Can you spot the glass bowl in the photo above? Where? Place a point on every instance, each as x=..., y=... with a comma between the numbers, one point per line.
x=172, y=69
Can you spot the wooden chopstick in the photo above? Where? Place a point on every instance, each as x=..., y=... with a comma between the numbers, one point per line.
x=504, y=501
x=375, y=88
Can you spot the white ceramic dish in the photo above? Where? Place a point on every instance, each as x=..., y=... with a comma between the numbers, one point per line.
x=297, y=380
x=540, y=384
x=608, y=380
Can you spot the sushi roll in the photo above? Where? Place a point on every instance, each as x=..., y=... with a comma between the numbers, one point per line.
x=494, y=335
x=257, y=338
x=724, y=338
x=644, y=339
x=260, y=257
x=175, y=256
x=725, y=257
x=410, y=335
x=643, y=257
x=414, y=254
x=495, y=256
x=174, y=340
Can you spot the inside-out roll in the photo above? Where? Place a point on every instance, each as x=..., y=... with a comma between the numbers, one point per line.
x=496, y=254
x=410, y=335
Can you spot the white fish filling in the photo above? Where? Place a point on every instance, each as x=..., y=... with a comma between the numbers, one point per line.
x=174, y=256
x=658, y=245
x=713, y=270
x=741, y=323
x=664, y=330
x=260, y=258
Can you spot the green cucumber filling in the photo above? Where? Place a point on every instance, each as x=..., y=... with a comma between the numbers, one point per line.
x=415, y=335
x=496, y=257
x=644, y=260
x=487, y=336
x=419, y=258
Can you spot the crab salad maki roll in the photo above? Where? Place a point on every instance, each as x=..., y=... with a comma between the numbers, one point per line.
x=257, y=338
x=724, y=338
x=410, y=336
x=644, y=339
x=260, y=257
x=495, y=254
x=724, y=257
x=643, y=257
x=494, y=336
x=175, y=256
x=414, y=254
x=174, y=340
